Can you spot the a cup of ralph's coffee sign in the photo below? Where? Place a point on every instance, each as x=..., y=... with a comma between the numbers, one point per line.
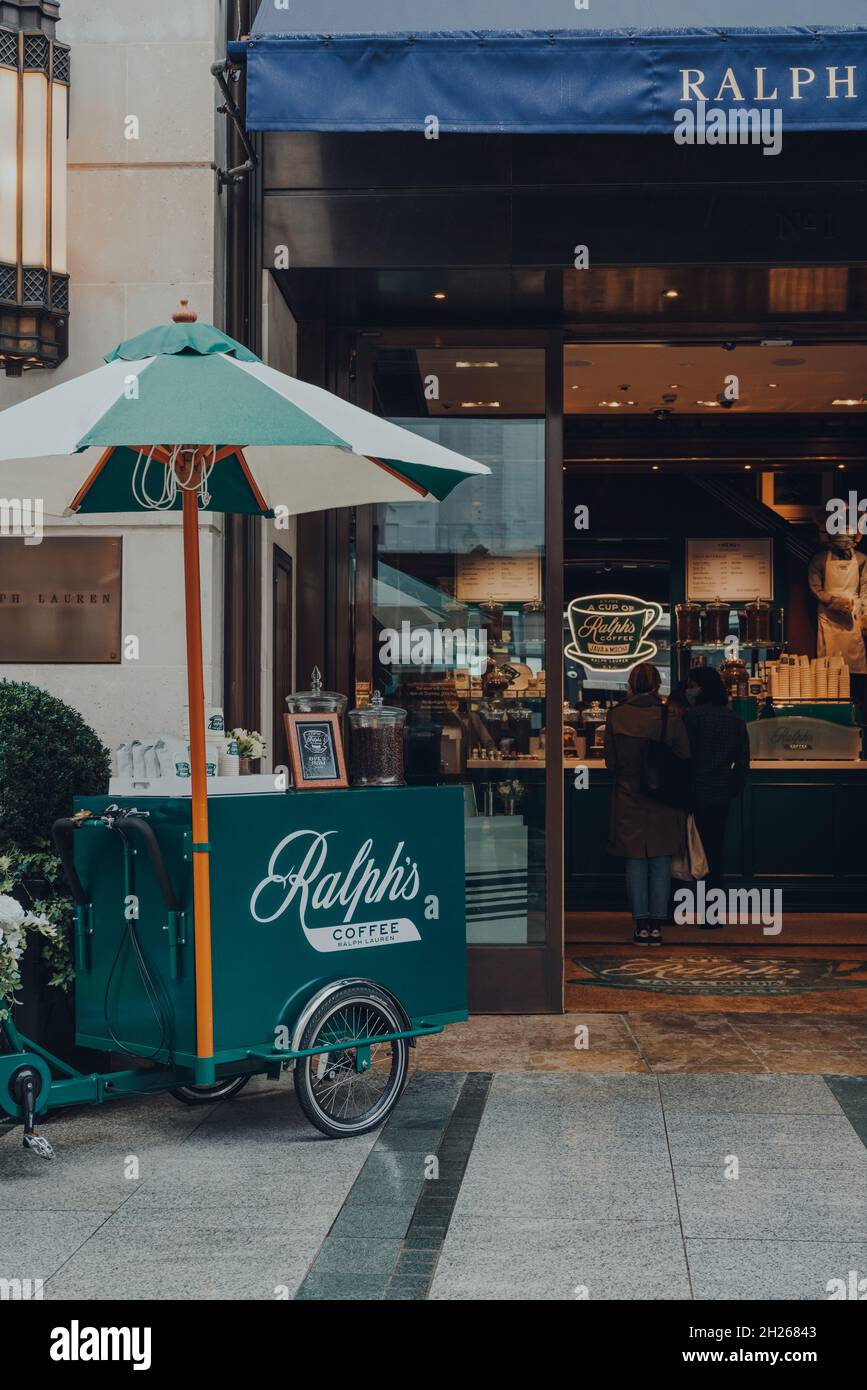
x=611, y=632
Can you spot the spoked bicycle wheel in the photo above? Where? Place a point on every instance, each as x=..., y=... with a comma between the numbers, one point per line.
x=337, y=1097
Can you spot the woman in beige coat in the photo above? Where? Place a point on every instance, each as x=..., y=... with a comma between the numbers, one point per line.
x=645, y=833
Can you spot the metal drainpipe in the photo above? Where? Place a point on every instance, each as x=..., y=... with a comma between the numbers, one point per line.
x=242, y=546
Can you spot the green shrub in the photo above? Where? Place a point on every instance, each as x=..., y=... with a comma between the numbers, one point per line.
x=48, y=754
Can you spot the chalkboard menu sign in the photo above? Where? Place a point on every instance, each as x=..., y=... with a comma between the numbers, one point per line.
x=315, y=750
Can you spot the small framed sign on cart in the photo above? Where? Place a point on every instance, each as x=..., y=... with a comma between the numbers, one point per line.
x=315, y=751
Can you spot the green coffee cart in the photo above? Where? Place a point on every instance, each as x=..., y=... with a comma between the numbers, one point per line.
x=338, y=938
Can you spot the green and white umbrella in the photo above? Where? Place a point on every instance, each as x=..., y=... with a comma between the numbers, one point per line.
x=268, y=440
x=184, y=418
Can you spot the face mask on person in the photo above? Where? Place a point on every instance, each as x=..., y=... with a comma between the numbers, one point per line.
x=692, y=694
x=843, y=546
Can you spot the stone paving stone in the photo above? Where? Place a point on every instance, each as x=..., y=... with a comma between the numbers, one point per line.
x=785, y=1204
x=34, y=1244
x=79, y=1179
x=358, y=1255
x=762, y=1094
x=355, y=1288
x=359, y=1218
x=415, y=1289
x=587, y=1197
x=173, y=1254
x=773, y=1269
x=764, y=1141
x=551, y=1259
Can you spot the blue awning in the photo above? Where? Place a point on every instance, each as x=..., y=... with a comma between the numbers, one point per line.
x=536, y=81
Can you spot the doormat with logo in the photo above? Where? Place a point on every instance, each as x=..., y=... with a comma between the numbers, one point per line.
x=775, y=980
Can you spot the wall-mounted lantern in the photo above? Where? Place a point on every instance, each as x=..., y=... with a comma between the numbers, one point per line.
x=34, y=103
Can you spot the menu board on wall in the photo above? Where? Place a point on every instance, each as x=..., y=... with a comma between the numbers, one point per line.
x=739, y=569
x=504, y=578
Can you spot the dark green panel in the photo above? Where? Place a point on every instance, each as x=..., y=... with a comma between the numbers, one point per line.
x=298, y=850
x=734, y=842
x=851, y=829
x=793, y=826
x=593, y=877
x=128, y=1015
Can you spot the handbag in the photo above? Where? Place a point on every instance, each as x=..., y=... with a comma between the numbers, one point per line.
x=691, y=862
x=664, y=776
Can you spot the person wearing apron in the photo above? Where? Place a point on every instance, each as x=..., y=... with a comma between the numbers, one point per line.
x=838, y=578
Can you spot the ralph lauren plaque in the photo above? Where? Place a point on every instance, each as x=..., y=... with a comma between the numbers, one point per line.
x=60, y=601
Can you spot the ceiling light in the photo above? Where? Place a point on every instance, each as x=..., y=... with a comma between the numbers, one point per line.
x=772, y=385
x=674, y=386
x=480, y=405
x=709, y=403
x=849, y=400
x=655, y=467
x=671, y=294
x=440, y=294
x=748, y=466
x=841, y=465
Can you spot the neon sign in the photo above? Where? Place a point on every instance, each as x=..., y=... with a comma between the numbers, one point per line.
x=611, y=632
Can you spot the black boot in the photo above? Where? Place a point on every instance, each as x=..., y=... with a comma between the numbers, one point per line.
x=655, y=926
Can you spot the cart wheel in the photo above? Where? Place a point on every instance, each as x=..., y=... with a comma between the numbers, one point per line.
x=206, y=1095
x=335, y=1096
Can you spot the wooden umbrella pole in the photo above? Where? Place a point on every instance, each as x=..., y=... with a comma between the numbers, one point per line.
x=201, y=848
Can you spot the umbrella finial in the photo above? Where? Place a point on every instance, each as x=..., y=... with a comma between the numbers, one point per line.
x=185, y=314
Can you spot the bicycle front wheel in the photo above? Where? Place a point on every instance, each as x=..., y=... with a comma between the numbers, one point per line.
x=337, y=1096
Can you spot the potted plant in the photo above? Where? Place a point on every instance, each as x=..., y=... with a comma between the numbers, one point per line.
x=251, y=748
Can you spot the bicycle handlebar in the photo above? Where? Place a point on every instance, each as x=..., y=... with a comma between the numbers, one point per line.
x=62, y=832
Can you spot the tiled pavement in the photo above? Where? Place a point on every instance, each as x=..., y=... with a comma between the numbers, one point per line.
x=508, y=1186
x=678, y=1041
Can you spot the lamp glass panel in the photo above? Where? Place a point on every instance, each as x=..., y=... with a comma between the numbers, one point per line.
x=58, y=178
x=8, y=166
x=34, y=237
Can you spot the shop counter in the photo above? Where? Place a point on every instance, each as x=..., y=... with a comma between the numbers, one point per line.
x=800, y=826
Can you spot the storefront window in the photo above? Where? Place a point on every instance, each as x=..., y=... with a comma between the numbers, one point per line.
x=458, y=607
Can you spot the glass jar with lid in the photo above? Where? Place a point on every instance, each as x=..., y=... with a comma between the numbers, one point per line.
x=377, y=744
x=316, y=700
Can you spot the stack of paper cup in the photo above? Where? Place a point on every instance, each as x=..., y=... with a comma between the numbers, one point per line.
x=230, y=763
x=214, y=721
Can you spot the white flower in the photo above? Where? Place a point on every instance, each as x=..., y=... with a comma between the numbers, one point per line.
x=12, y=914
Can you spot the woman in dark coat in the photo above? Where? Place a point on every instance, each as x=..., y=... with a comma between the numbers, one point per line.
x=643, y=832
x=720, y=749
